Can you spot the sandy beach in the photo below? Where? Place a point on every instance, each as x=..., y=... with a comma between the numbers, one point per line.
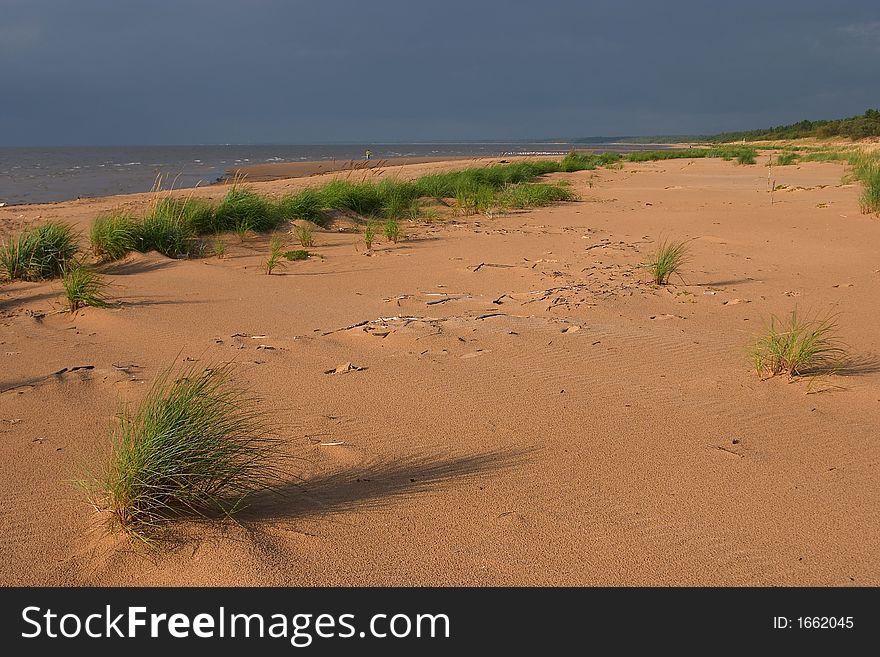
x=523, y=407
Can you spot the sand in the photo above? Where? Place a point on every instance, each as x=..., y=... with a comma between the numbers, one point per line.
x=556, y=421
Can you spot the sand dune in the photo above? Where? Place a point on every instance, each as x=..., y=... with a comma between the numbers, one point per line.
x=545, y=418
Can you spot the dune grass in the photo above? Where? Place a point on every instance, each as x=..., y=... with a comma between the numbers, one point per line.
x=305, y=235
x=276, y=253
x=169, y=235
x=369, y=234
x=113, y=236
x=867, y=170
x=668, y=260
x=39, y=253
x=244, y=206
x=521, y=196
x=786, y=159
x=798, y=347
x=306, y=205
x=196, y=445
x=392, y=231
x=219, y=248
x=84, y=287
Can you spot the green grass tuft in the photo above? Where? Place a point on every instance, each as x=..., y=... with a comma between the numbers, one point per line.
x=786, y=159
x=868, y=171
x=276, y=252
x=113, y=236
x=38, y=253
x=297, y=254
x=369, y=234
x=668, y=259
x=84, y=287
x=243, y=206
x=196, y=445
x=392, y=231
x=306, y=205
x=167, y=234
x=798, y=347
x=304, y=234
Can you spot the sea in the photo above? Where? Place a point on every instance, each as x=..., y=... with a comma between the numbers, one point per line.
x=46, y=175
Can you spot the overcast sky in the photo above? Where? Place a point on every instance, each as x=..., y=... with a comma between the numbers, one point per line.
x=287, y=71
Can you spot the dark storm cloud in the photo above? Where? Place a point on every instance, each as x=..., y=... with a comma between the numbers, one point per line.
x=227, y=71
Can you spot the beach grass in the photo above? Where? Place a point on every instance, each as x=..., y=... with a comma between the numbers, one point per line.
x=798, y=347
x=668, y=260
x=113, y=236
x=369, y=234
x=392, y=231
x=787, y=158
x=84, y=287
x=39, y=253
x=196, y=445
x=243, y=206
x=168, y=234
x=867, y=170
x=306, y=205
x=276, y=253
x=305, y=235
x=526, y=195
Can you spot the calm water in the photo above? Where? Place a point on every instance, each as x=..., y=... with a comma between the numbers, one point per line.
x=41, y=175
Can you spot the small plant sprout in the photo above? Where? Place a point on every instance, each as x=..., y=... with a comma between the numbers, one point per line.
x=219, y=248
x=392, y=231
x=305, y=234
x=276, y=252
x=243, y=230
x=83, y=287
x=369, y=234
x=668, y=259
x=799, y=347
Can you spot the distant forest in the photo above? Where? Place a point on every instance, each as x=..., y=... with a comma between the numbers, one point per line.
x=854, y=127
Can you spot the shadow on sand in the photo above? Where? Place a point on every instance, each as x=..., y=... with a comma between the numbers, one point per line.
x=374, y=484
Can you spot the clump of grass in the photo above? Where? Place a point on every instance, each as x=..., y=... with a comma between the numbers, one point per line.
x=306, y=205
x=868, y=171
x=113, y=236
x=746, y=157
x=392, y=231
x=195, y=213
x=196, y=445
x=219, y=248
x=668, y=260
x=297, y=254
x=305, y=234
x=167, y=234
x=38, y=253
x=84, y=287
x=787, y=158
x=242, y=205
x=529, y=195
x=369, y=234
x=798, y=347
x=276, y=252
